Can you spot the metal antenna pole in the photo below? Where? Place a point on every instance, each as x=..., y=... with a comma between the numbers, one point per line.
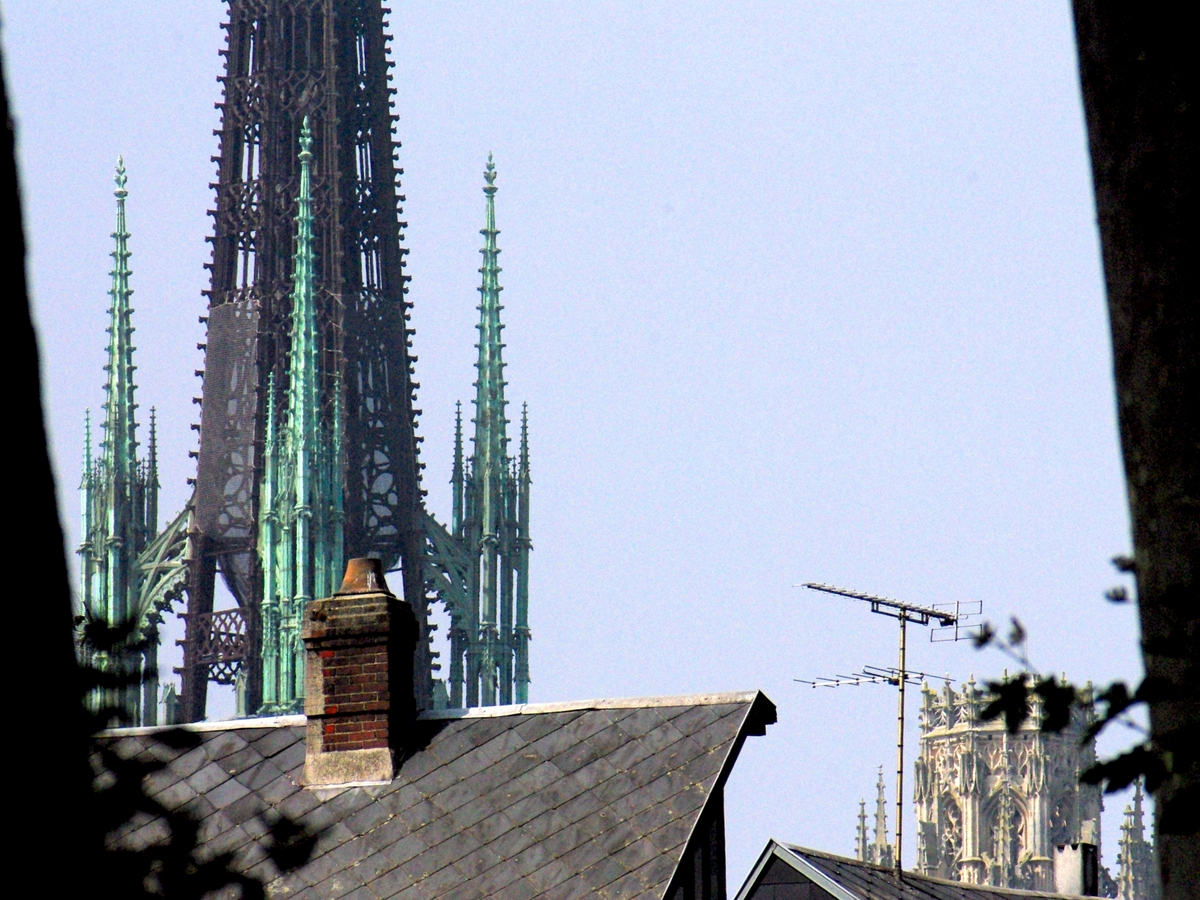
x=952, y=620
x=900, y=745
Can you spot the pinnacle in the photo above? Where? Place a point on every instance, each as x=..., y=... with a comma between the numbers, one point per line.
x=121, y=179
x=306, y=141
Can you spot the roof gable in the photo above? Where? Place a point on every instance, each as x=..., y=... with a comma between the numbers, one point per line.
x=839, y=878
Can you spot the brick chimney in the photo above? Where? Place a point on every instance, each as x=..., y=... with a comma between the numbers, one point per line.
x=358, y=648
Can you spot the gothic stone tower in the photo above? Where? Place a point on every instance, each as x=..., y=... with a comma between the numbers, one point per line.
x=287, y=60
x=992, y=806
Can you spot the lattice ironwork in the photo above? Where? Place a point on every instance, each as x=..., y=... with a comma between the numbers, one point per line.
x=285, y=60
x=224, y=645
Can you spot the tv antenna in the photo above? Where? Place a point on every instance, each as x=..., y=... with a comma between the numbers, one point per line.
x=874, y=675
x=952, y=626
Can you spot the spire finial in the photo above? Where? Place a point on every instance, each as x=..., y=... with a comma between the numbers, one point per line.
x=306, y=141
x=489, y=174
x=121, y=179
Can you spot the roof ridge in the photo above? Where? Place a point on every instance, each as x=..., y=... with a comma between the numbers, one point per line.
x=519, y=709
x=222, y=725
x=477, y=712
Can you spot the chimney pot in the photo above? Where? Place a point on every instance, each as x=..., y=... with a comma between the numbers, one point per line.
x=358, y=647
x=1077, y=869
x=364, y=575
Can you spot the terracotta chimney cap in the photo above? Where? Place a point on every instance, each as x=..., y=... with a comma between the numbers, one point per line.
x=364, y=575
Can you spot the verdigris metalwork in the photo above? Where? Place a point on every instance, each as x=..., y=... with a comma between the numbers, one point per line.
x=480, y=568
x=302, y=516
x=284, y=61
x=119, y=500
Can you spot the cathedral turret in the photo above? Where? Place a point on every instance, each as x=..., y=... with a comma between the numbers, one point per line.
x=119, y=495
x=992, y=806
x=301, y=525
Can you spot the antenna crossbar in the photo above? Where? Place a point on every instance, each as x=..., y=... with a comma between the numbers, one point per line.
x=951, y=619
x=886, y=606
x=874, y=675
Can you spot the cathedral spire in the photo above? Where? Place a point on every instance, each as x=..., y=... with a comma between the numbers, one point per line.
x=489, y=465
x=301, y=521
x=119, y=498
x=119, y=447
x=303, y=387
x=487, y=586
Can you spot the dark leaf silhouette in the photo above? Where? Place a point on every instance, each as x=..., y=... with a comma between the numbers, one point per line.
x=1011, y=701
x=1057, y=700
x=1117, y=774
x=1124, y=563
x=983, y=636
x=1016, y=632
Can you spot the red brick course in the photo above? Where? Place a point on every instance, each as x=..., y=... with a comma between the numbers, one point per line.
x=359, y=650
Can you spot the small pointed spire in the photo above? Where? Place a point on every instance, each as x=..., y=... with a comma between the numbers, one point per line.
x=489, y=461
x=458, y=438
x=120, y=427
x=524, y=470
x=87, y=450
x=152, y=455
x=880, y=812
x=861, y=851
x=457, y=476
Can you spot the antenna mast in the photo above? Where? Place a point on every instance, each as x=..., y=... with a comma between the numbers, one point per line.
x=949, y=617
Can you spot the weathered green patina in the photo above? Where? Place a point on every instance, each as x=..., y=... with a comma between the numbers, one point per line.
x=482, y=565
x=302, y=520
x=119, y=500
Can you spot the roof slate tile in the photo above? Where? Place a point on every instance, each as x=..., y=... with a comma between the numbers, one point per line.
x=206, y=779
x=520, y=804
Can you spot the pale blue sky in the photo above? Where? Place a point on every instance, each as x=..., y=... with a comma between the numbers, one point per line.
x=795, y=291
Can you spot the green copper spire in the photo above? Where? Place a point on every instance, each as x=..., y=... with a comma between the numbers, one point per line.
x=151, y=479
x=457, y=474
x=119, y=448
x=119, y=493
x=523, y=546
x=489, y=464
x=480, y=565
x=302, y=521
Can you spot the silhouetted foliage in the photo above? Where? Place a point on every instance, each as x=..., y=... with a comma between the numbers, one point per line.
x=81, y=794
x=166, y=857
x=1011, y=698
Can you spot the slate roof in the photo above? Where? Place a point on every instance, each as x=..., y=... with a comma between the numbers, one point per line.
x=850, y=879
x=554, y=800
